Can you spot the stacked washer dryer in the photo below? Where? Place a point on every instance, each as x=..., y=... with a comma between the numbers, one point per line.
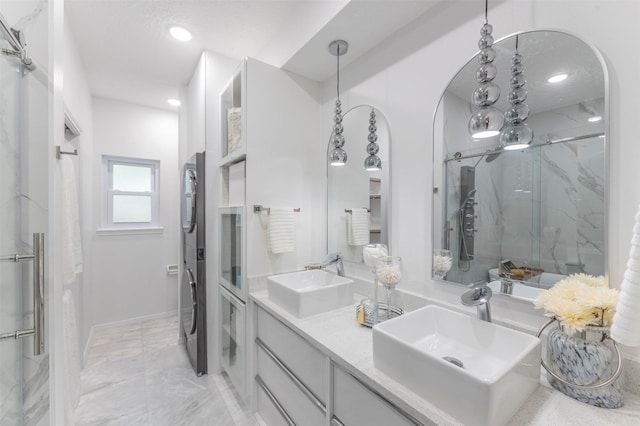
x=193, y=311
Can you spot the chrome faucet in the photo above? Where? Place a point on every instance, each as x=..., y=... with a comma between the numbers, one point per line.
x=506, y=285
x=479, y=296
x=335, y=258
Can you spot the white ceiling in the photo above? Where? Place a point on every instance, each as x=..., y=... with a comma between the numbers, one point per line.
x=128, y=53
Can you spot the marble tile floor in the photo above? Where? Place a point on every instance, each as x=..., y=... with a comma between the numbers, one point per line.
x=138, y=375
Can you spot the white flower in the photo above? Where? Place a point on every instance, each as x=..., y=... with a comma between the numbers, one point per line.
x=579, y=300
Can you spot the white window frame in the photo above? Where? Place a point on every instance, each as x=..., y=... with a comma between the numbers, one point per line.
x=108, y=193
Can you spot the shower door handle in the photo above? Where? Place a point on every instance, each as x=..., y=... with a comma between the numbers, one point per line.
x=38, y=295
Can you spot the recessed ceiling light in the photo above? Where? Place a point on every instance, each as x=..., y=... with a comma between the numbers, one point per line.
x=557, y=78
x=180, y=33
x=594, y=119
x=173, y=102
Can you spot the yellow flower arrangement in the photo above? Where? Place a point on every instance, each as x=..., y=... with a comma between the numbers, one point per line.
x=580, y=300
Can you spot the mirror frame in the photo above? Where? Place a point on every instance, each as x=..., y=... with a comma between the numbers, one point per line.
x=389, y=197
x=606, y=130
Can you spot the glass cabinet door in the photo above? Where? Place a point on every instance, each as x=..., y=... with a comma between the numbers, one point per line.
x=231, y=102
x=231, y=254
x=232, y=338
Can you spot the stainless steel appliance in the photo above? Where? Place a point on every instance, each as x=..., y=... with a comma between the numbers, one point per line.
x=193, y=311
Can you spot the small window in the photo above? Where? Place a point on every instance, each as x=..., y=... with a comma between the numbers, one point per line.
x=130, y=192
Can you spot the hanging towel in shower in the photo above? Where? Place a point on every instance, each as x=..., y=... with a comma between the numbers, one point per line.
x=626, y=322
x=71, y=236
x=71, y=356
x=281, y=230
x=358, y=227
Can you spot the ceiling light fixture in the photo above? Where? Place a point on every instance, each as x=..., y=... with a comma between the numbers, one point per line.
x=594, y=119
x=486, y=121
x=517, y=134
x=557, y=78
x=338, y=156
x=180, y=33
x=173, y=102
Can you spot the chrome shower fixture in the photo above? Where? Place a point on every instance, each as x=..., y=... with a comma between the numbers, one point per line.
x=338, y=156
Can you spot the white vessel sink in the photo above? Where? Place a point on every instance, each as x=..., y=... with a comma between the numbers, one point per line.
x=501, y=367
x=308, y=293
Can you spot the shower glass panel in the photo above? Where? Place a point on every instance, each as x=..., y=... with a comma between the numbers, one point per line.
x=10, y=241
x=540, y=207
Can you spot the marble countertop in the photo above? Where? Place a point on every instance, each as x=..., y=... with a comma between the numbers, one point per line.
x=349, y=345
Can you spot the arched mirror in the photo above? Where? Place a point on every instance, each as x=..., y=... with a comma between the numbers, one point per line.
x=352, y=189
x=540, y=211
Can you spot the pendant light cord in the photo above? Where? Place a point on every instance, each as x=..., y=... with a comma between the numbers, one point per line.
x=516, y=43
x=338, y=73
x=486, y=11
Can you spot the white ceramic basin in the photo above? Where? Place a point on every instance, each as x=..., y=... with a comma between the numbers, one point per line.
x=308, y=293
x=501, y=366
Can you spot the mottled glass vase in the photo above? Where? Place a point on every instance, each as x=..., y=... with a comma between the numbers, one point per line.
x=585, y=358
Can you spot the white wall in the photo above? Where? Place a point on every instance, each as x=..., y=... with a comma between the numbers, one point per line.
x=284, y=145
x=128, y=275
x=406, y=75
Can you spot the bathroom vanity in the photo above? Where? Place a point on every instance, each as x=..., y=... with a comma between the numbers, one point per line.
x=334, y=380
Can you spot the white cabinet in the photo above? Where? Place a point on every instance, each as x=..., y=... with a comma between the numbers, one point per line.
x=290, y=373
x=293, y=387
x=264, y=113
x=304, y=361
x=355, y=404
x=232, y=338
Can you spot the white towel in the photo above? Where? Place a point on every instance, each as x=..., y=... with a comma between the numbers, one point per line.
x=71, y=236
x=281, y=230
x=626, y=327
x=358, y=227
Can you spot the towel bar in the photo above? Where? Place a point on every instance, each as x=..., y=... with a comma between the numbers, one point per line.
x=60, y=152
x=258, y=209
x=351, y=211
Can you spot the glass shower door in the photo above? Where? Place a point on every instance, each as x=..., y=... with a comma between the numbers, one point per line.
x=10, y=241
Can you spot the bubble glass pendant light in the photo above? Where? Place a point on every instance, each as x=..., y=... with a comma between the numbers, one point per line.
x=486, y=121
x=338, y=156
x=372, y=162
x=517, y=134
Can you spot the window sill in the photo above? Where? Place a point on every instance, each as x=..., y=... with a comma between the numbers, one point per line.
x=130, y=231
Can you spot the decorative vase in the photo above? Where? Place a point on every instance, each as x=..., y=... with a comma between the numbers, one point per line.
x=583, y=365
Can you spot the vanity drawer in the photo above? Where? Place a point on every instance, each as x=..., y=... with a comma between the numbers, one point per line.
x=300, y=407
x=354, y=404
x=306, y=362
x=267, y=409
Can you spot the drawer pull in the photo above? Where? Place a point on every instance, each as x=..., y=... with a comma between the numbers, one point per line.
x=336, y=422
x=275, y=402
x=314, y=399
